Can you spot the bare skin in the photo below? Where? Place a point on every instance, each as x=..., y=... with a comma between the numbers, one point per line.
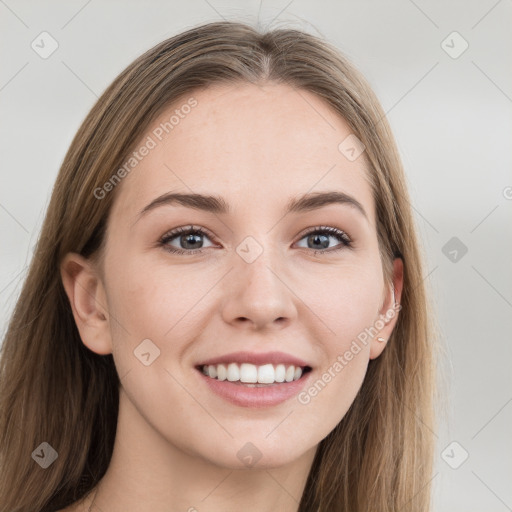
x=177, y=442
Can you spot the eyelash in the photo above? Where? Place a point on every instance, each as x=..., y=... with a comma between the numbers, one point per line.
x=337, y=233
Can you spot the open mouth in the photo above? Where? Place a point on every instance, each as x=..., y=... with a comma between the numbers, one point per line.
x=255, y=386
x=253, y=376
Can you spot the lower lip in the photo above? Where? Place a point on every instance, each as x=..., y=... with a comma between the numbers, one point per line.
x=266, y=396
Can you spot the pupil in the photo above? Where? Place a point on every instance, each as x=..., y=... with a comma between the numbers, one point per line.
x=191, y=238
x=325, y=242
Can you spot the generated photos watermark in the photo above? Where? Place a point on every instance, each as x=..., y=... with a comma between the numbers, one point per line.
x=342, y=360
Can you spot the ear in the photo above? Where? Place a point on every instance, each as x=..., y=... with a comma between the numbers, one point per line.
x=87, y=297
x=388, y=314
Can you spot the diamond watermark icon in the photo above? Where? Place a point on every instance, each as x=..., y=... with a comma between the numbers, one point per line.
x=454, y=455
x=44, y=455
x=454, y=249
x=454, y=45
x=146, y=352
x=249, y=454
x=44, y=45
x=249, y=249
x=351, y=147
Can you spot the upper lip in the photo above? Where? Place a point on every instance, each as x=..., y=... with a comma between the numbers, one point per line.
x=256, y=358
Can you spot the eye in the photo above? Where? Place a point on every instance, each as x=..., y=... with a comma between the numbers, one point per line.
x=189, y=238
x=190, y=241
x=319, y=237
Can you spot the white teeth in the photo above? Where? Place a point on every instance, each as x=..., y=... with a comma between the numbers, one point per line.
x=233, y=372
x=248, y=373
x=252, y=374
x=222, y=372
x=266, y=374
x=280, y=373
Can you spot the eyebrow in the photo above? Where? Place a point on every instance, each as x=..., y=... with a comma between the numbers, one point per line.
x=218, y=205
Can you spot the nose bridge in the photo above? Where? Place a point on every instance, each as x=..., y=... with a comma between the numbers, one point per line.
x=258, y=292
x=259, y=268
x=260, y=273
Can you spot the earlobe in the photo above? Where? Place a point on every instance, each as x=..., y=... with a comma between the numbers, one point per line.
x=388, y=315
x=87, y=297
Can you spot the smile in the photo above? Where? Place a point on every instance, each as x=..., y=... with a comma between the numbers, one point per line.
x=247, y=373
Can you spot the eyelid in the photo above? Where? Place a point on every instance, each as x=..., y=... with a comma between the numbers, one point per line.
x=188, y=228
x=329, y=229
x=345, y=240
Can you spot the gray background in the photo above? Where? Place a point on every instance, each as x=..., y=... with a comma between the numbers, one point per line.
x=451, y=118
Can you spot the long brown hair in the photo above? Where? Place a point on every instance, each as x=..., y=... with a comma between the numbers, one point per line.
x=54, y=390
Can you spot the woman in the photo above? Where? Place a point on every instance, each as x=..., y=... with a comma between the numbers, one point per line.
x=226, y=307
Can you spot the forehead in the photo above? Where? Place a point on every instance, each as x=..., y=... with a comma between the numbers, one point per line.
x=255, y=146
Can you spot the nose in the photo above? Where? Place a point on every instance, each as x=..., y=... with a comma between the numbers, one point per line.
x=259, y=297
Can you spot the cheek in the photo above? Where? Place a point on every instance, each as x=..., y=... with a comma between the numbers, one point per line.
x=151, y=300
x=347, y=303
x=346, y=299
x=151, y=297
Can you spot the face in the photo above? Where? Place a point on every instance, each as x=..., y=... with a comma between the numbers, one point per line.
x=255, y=278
